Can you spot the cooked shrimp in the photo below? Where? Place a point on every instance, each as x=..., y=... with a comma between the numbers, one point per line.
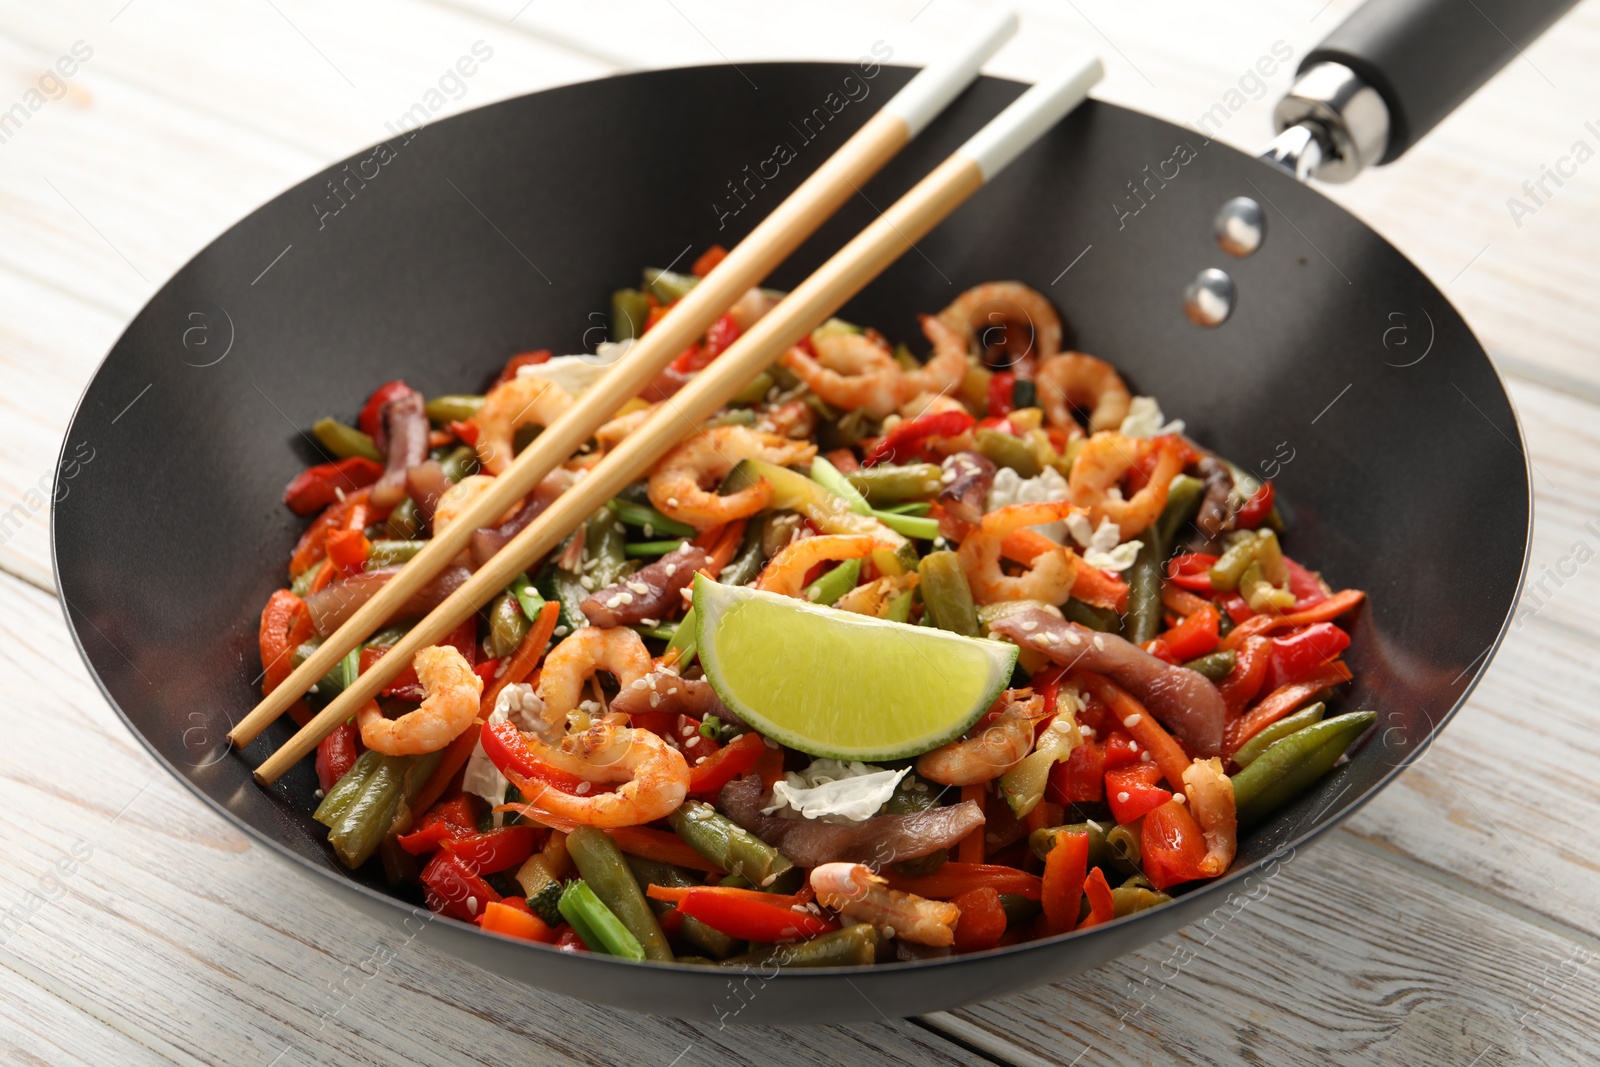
x=654, y=776
x=945, y=369
x=1048, y=578
x=786, y=573
x=1209, y=794
x=456, y=499
x=980, y=316
x=993, y=751
x=450, y=704
x=524, y=400
x=852, y=889
x=874, y=597
x=611, y=433
x=573, y=662
x=1102, y=463
x=683, y=484
x=849, y=371
x=794, y=419
x=1074, y=380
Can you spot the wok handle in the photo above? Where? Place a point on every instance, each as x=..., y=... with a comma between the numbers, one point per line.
x=1395, y=68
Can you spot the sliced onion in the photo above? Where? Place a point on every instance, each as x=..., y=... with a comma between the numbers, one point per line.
x=652, y=592
x=405, y=432
x=487, y=540
x=425, y=484
x=330, y=607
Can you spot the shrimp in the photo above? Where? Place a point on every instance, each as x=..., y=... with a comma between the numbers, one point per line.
x=874, y=598
x=682, y=485
x=945, y=369
x=996, y=749
x=654, y=776
x=460, y=496
x=611, y=433
x=1049, y=576
x=981, y=314
x=518, y=402
x=786, y=573
x=1102, y=463
x=450, y=704
x=1074, y=380
x=1209, y=793
x=571, y=663
x=849, y=371
x=852, y=889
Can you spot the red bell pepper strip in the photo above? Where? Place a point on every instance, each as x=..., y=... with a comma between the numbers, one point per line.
x=336, y=754
x=499, y=849
x=569, y=941
x=983, y=920
x=727, y=763
x=1120, y=749
x=1102, y=905
x=1256, y=509
x=316, y=487
x=1280, y=702
x=1001, y=385
x=908, y=436
x=1249, y=673
x=465, y=432
x=751, y=920
x=1307, y=588
x=1192, y=571
x=513, y=918
x=372, y=413
x=1158, y=648
x=451, y=887
x=1295, y=656
x=521, y=663
x=1322, y=611
x=1236, y=607
x=675, y=894
x=451, y=818
x=348, y=549
x=708, y=260
x=508, y=750
x=351, y=513
x=1080, y=778
x=285, y=626
x=1172, y=846
x=663, y=846
x=1181, y=602
x=1196, y=635
x=406, y=684
x=953, y=879
x=1065, y=868
x=1151, y=735
x=1132, y=791
x=720, y=337
x=520, y=360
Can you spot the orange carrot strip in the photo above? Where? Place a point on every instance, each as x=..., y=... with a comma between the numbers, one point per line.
x=970, y=848
x=1322, y=611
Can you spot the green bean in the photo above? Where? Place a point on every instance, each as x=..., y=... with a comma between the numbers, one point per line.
x=1105, y=620
x=595, y=924
x=835, y=583
x=1291, y=764
x=709, y=941
x=507, y=625
x=755, y=392
x=460, y=463
x=453, y=407
x=793, y=491
x=651, y=549
x=345, y=441
x=667, y=286
x=553, y=583
x=696, y=961
x=899, y=609
x=648, y=519
x=825, y=474
x=1143, y=619
x=1008, y=451
x=1019, y=909
x=527, y=597
x=600, y=862
x=946, y=597
x=1215, y=665
x=1024, y=394
x=358, y=819
x=897, y=484
x=386, y=552
x=916, y=508
x=746, y=563
x=923, y=529
x=726, y=844
x=1252, y=749
x=1125, y=900
x=404, y=522
x=1101, y=854
x=629, y=310
x=1241, y=550
x=1183, y=502
x=604, y=549
x=1126, y=844
x=300, y=586
x=387, y=636
x=665, y=631
x=339, y=676
x=854, y=946
x=847, y=431
x=683, y=643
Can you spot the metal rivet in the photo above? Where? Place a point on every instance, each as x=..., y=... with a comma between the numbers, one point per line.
x=1241, y=226
x=1209, y=299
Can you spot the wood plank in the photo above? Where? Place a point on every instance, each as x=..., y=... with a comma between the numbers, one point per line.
x=174, y=927
x=44, y=1029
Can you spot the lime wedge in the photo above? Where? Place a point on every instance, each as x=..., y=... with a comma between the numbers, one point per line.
x=833, y=683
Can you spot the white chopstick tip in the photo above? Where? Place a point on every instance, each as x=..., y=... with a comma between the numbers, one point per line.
x=931, y=91
x=1033, y=113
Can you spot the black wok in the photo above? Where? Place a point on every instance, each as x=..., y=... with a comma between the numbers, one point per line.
x=506, y=228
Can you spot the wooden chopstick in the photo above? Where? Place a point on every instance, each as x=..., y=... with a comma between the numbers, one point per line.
x=817, y=198
x=836, y=281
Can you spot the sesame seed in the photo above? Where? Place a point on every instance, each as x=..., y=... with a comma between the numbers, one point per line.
x=314, y=689
x=1122, y=797
x=1099, y=643
x=616, y=601
x=672, y=501
x=671, y=569
x=649, y=622
x=583, y=787
x=649, y=530
x=699, y=761
x=1086, y=731
x=768, y=880
x=1134, y=745
x=472, y=905
x=1061, y=726
x=1131, y=721
x=638, y=587
x=1073, y=639
x=1041, y=639
x=617, y=526
x=638, y=683
x=319, y=794
x=626, y=598
x=1145, y=757
x=655, y=700
x=1180, y=798
x=562, y=631
x=948, y=476
x=587, y=582
x=888, y=931
x=1029, y=624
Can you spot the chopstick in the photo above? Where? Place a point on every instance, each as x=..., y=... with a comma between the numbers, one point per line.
x=849, y=270
x=890, y=129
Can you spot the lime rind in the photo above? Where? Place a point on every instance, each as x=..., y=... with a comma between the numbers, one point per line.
x=952, y=681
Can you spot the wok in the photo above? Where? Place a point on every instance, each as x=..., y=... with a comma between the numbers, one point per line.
x=1342, y=372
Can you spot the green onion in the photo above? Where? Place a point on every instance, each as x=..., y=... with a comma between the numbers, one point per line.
x=527, y=597
x=835, y=584
x=635, y=549
x=915, y=507
x=917, y=526
x=597, y=925
x=648, y=518
x=830, y=478
x=683, y=642
x=665, y=631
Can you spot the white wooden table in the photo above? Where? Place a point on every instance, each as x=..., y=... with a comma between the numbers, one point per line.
x=1454, y=921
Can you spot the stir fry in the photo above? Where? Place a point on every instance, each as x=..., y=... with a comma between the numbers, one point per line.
x=893, y=658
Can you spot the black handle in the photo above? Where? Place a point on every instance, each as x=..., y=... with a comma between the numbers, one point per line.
x=1426, y=56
